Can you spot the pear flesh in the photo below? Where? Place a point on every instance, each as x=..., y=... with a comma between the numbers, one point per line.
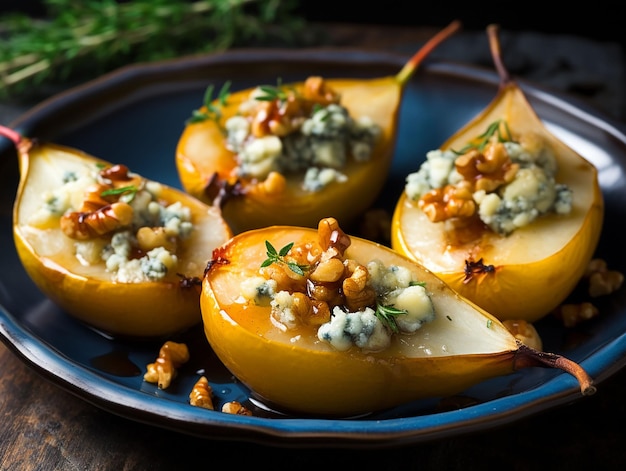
x=210, y=171
x=293, y=370
x=530, y=271
x=79, y=282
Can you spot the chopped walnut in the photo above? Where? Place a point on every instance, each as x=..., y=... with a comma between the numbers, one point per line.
x=277, y=117
x=329, y=281
x=310, y=311
x=317, y=90
x=82, y=225
x=602, y=281
x=234, y=407
x=441, y=204
x=202, y=394
x=274, y=184
x=573, y=314
x=525, y=332
x=328, y=271
x=482, y=169
x=172, y=356
x=331, y=236
x=286, y=113
x=120, y=176
x=358, y=294
x=99, y=214
x=489, y=169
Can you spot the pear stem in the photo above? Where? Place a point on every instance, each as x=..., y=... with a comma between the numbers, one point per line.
x=411, y=66
x=11, y=134
x=22, y=145
x=528, y=356
x=493, y=31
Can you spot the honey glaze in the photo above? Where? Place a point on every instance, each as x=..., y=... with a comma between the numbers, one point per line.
x=116, y=362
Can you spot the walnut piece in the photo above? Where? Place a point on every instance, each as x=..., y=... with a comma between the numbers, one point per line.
x=172, y=356
x=450, y=201
x=602, y=281
x=330, y=280
x=525, y=332
x=100, y=214
x=489, y=169
x=202, y=394
x=482, y=169
x=234, y=407
x=274, y=184
x=318, y=91
x=573, y=314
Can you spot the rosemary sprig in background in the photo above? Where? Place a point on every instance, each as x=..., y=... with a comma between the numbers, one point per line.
x=80, y=40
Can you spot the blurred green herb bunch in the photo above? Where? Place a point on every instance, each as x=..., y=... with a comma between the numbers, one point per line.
x=78, y=40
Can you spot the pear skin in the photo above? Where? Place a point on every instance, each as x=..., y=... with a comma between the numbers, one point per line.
x=528, y=273
x=292, y=370
x=87, y=291
x=206, y=167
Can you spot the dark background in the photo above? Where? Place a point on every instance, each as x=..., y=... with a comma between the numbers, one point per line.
x=596, y=20
x=600, y=19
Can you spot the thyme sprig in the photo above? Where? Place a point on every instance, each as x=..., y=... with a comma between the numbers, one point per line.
x=211, y=110
x=482, y=140
x=387, y=315
x=126, y=193
x=279, y=257
x=271, y=92
x=81, y=40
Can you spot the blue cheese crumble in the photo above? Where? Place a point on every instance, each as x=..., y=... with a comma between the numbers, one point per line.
x=361, y=328
x=129, y=252
x=393, y=285
x=292, y=133
x=518, y=176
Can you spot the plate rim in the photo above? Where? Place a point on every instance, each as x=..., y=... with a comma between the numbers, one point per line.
x=52, y=365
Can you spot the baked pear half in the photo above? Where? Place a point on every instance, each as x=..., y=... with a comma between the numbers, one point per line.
x=321, y=323
x=504, y=212
x=123, y=254
x=292, y=153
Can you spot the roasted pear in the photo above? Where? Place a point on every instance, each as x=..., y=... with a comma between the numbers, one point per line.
x=318, y=322
x=120, y=253
x=294, y=153
x=504, y=212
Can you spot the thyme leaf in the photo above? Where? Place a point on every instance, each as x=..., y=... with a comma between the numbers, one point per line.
x=126, y=193
x=81, y=40
x=279, y=257
x=211, y=111
x=387, y=315
x=271, y=93
x=480, y=142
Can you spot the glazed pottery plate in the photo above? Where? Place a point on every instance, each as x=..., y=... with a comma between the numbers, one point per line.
x=136, y=115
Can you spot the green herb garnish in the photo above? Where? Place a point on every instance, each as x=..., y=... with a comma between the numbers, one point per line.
x=481, y=141
x=211, y=111
x=271, y=93
x=279, y=257
x=76, y=40
x=387, y=315
x=126, y=193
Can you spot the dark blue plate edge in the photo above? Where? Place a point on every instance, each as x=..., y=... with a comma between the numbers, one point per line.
x=301, y=432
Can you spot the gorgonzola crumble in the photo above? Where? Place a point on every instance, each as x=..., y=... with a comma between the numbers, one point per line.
x=504, y=182
x=118, y=219
x=279, y=130
x=348, y=303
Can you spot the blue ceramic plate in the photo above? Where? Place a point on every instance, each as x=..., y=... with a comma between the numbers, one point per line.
x=136, y=115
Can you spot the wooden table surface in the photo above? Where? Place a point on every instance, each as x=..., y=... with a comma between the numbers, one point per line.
x=43, y=427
